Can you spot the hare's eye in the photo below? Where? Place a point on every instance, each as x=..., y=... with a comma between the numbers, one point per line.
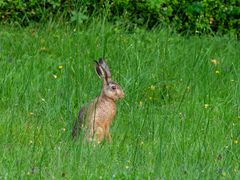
x=113, y=87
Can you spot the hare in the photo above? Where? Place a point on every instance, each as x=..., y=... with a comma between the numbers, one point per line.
x=97, y=116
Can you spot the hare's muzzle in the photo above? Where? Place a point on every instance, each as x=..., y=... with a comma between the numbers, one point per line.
x=122, y=95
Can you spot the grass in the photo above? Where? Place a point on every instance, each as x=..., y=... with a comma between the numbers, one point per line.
x=180, y=117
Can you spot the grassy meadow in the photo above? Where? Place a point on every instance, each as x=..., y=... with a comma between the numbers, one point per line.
x=179, y=119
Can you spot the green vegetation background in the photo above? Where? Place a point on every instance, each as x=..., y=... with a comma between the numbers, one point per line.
x=180, y=117
x=192, y=16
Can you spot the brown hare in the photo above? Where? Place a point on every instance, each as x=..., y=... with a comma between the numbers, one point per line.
x=96, y=117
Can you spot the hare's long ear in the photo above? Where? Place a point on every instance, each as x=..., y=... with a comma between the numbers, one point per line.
x=101, y=72
x=105, y=67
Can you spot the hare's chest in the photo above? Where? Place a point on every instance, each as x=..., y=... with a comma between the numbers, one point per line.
x=106, y=112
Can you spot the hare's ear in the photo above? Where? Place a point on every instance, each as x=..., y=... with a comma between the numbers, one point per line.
x=105, y=67
x=99, y=70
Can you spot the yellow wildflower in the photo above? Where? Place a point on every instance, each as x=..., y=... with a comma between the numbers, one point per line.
x=235, y=141
x=152, y=87
x=55, y=76
x=211, y=20
x=206, y=106
x=214, y=61
x=224, y=173
x=43, y=49
x=60, y=66
x=217, y=72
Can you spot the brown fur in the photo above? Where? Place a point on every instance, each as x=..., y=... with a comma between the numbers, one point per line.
x=97, y=117
x=80, y=122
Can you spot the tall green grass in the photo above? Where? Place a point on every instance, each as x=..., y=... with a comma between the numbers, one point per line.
x=179, y=119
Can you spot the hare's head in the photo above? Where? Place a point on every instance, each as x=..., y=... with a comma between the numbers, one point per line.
x=111, y=89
